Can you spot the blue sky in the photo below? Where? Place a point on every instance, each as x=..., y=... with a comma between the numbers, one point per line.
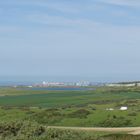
x=96, y=40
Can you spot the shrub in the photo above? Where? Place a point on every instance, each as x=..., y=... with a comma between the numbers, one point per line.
x=81, y=113
x=120, y=137
x=115, y=122
x=57, y=134
x=132, y=114
x=22, y=129
x=47, y=117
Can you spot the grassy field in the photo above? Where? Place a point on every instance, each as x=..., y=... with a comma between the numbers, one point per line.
x=42, y=98
x=84, y=108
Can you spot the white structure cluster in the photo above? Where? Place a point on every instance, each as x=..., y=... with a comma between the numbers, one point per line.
x=47, y=84
x=127, y=84
x=122, y=108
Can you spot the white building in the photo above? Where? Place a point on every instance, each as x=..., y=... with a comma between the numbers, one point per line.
x=121, y=85
x=110, y=109
x=123, y=108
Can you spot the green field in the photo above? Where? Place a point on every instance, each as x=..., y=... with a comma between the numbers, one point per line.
x=84, y=108
x=100, y=96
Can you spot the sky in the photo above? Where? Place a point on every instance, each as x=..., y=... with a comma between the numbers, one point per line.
x=68, y=40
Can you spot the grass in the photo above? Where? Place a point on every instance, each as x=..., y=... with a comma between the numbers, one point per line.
x=86, y=108
x=63, y=98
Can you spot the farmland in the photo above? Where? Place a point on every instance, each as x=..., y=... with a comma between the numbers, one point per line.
x=71, y=108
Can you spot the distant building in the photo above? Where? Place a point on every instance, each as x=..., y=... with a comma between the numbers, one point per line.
x=124, y=84
x=83, y=83
x=29, y=86
x=47, y=84
x=138, y=84
x=123, y=108
x=44, y=83
x=110, y=109
x=121, y=85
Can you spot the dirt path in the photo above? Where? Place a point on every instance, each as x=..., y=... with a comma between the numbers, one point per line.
x=129, y=130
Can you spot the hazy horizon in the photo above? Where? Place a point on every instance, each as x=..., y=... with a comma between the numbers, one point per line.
x=93, y=40
x=17, y=80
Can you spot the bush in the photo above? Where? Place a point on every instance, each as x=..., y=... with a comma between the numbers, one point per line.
x=120, y=137
x=49, y=117
x=21, y=130
x=132, y=114
x=115, y=122
x=81, y=113
x=57, y=134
